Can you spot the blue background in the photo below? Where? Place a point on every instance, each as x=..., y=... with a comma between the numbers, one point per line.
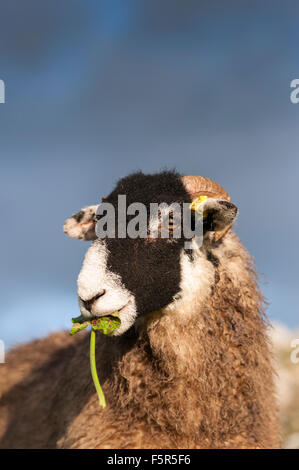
x=96, y=89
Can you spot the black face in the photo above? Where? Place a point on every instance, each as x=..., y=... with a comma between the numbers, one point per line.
x=149, y=268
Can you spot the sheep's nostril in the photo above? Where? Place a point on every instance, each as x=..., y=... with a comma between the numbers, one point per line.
x=88, y=303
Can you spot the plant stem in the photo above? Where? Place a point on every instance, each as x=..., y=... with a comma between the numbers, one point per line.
x=94, y=369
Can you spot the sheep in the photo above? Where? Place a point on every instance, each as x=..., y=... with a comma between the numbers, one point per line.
x=191, y=365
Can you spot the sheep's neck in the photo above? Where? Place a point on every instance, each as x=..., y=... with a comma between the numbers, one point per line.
x=186, y=375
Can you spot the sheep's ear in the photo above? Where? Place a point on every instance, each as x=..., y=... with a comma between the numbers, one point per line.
x=218, y=216
x=82, y=224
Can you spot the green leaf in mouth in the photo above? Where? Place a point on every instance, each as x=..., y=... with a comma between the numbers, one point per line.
x=106, y=324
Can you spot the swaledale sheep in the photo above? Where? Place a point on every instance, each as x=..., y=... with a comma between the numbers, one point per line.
x=190, y=367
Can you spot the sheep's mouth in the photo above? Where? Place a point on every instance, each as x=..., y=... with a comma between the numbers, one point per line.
x=110, y=316
x=113, y=314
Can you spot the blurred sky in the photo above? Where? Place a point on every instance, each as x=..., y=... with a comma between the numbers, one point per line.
x=98, y=88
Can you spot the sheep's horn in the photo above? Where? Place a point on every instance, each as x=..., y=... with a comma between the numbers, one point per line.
x=201, y=186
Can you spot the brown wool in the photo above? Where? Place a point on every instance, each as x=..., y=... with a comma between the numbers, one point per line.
x=205, y=382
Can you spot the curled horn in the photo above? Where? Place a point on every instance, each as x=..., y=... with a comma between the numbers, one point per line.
x=201, y=186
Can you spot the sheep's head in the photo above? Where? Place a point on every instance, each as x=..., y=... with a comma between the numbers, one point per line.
x=136, y=276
